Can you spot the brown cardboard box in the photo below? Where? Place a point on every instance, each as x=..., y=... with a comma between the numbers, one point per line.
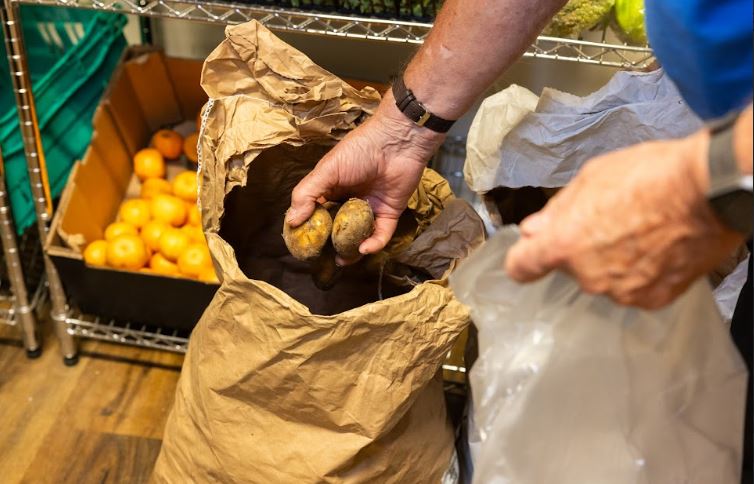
x=149, y=91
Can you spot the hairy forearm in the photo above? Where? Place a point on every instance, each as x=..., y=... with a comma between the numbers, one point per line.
x=470, y=45
x=742, y=140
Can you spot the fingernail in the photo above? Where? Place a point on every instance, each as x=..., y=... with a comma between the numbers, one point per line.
x=290, y=216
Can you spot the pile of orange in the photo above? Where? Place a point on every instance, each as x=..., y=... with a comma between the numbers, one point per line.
x=160, y=231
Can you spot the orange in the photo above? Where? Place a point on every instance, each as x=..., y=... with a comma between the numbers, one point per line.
x=120, y=228
x=168, y=209
x=151, y=233
x=208, y=275
x=149, y=163
x=168, y=142
x=194, y=259
x=189, y=147
x=127, y=252
x=160, y=265
x=185, y=186
x=134, y=212
x=155, y=186
x=95, y=253
x=194, y=233
x=199, y=120
x=172, y=243
x=194, y=217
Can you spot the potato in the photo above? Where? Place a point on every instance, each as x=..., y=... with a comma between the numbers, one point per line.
x=306, y=241
x=325, y=272
x=353, y=224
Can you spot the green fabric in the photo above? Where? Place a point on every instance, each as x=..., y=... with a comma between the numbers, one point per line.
x=68, y=79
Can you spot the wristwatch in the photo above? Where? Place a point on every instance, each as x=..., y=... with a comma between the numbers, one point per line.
x=730, y=193
x=415, y=111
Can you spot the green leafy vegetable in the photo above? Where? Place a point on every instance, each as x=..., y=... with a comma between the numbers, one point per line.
x=578, y=16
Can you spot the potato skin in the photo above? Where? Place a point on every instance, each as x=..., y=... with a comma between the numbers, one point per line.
x=306, y=241
x=353, y=224
x=325, y=272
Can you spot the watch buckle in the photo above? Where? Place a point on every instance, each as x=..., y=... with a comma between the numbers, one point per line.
x=424, y=118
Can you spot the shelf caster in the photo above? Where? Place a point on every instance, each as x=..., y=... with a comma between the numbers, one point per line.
x=71, y=360
x=35, y=353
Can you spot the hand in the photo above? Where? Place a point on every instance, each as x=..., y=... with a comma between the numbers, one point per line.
x=381, y=161
x=634, y=224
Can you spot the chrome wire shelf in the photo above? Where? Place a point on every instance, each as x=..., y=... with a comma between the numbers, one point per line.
x=588, y=52
x=93, y=327
x=8, y=300
x=344, y=26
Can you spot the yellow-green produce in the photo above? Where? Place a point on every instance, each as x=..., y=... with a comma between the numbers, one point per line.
x=629, y=15
x=578, y=16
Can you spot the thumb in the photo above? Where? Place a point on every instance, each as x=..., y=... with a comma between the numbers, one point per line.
x=535, y=223
x=383, y=232
x=304, y=197
x=530, y=259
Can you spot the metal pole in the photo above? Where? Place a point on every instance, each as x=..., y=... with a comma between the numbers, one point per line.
x=22, y=310
x=19, y=70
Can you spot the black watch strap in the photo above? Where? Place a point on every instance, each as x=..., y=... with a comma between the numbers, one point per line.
x=415, y=111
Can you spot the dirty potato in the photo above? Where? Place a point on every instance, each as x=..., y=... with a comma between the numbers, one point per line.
x=353, y=224
x=306, y=241
x=325, y=272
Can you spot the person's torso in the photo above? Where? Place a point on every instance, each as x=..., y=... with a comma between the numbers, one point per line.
x=706, y=48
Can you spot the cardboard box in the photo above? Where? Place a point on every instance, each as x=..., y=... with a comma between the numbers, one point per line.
x=147, y=92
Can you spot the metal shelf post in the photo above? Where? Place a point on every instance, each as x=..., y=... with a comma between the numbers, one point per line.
x=22, y=312
x=19, y=70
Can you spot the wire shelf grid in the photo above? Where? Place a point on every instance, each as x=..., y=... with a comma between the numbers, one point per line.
x=93, y=327
x=7, y=303
x=346, y=26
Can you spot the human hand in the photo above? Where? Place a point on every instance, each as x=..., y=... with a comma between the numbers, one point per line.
x=634, y=225
x=381, y=161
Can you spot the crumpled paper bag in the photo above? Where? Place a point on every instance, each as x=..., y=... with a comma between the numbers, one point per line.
x=571, y=388
x=518, y=140
x=282, y=382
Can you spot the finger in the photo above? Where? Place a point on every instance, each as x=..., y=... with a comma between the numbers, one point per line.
x=304, y=197
x=384, y=228
x=531, y=258
x=534, y=224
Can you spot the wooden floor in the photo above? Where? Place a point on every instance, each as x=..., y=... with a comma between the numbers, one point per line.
x=98, y=422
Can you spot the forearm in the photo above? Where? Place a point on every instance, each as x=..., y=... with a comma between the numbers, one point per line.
x=742, y=140
x=470, y=45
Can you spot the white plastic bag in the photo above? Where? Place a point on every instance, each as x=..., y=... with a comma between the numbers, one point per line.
x=727, y=293
x=518, y=139
x=570, y=388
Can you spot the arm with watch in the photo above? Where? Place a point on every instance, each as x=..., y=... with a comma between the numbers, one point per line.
x=635, y=224
x=384, y=158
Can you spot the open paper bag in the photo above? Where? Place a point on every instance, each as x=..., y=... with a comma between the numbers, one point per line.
x=283, y=382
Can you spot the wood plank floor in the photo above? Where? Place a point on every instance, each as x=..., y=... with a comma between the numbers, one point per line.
x=98, y=422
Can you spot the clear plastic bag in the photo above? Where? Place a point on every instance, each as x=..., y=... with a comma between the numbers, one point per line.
x=571, y=388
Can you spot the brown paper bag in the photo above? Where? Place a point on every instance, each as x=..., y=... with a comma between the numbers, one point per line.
x=284, y=383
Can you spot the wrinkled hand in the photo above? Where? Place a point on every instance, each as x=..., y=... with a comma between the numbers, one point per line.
x=634, y=224
x=381, y=161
